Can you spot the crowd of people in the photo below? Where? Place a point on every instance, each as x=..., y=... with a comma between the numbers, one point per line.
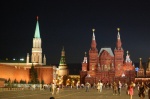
x=142, y=88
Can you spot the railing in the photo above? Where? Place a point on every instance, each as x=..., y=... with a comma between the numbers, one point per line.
x=10, y=89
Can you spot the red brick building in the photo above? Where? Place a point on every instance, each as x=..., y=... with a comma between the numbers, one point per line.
x=105, y=65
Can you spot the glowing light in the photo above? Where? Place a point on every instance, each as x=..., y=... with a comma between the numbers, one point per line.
x=21, y=59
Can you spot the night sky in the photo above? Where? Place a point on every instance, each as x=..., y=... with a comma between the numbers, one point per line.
x=70, y=23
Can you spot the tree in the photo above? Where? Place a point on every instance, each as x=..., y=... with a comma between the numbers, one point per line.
x=33, y=75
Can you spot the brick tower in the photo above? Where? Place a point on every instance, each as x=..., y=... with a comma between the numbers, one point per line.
x=119, y=53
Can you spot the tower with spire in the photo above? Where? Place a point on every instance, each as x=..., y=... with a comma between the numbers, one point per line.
x=119, y=53
x=148, y=69
x=37, y=49
x=84, y=63
x=63, y=68
x=140, y=72
x=93, y=54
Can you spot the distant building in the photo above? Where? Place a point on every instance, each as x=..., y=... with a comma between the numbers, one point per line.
x=63, y=68
x=20, y=71
x=106, y=66
x=148, y=69
x=143, y=72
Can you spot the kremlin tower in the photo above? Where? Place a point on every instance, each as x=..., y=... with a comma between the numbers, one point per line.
x=37, y=49
x=62, y=68
x=148, y=69
x=140, y=72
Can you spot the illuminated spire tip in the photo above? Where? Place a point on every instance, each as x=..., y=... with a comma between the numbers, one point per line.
x=140, y=58
x=127, y=52
x=37, y=17
x=118, y=29
x=93, y=30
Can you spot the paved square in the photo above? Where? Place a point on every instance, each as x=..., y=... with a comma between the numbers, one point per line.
x=66, y=93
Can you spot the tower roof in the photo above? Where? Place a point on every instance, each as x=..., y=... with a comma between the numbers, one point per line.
x=62, y=59
x=118, y=36
x=37, y=30
x=93, y=38
x=108, y=50
x=93, y=43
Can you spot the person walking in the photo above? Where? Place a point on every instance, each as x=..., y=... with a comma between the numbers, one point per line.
x=130, y=90
x=53, y=88
x=119, y=88
x=50, y=87
x=101, y=86
x=87, y=85
x=142, y=91
x=114, y=88
x=98, y=86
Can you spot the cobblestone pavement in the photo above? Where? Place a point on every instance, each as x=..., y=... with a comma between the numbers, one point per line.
x=66, y=93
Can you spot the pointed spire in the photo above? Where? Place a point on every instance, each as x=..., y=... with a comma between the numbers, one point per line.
x=118, y=43
x=93, y=44
x=62, y=60
x=63, y=48
x=63, y=51
x=148, y=67
x=128, y=57
x=85, y=58
x=140, y=64
x=37, y=30
x=93, y=38
x=44, y=56
x=85, y=54
x=118, y=36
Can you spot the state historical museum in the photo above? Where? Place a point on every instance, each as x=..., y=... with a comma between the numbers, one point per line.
x=107, y=65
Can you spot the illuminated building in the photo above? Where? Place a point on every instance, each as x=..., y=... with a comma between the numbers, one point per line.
x=106, y=66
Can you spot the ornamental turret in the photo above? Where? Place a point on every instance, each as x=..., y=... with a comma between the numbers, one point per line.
x=140, y=64
x=93, y=43
x=148, y=66
x=141, y=70
x=63, y=69
x=118, y=43
x=84, y=63
x=148, y=69
x=128, y=57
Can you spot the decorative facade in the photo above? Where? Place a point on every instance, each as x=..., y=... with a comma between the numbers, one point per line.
x=106, y=65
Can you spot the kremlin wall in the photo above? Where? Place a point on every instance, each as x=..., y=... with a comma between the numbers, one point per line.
x=21, y=71
x=99, y=65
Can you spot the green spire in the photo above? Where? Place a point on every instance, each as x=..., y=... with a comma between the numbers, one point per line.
x=37, y=30
x=62, y=60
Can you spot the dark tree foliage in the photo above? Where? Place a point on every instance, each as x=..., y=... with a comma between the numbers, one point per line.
x=33, y=75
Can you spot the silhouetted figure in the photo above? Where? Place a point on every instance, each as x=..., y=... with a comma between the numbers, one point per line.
x=142, y=91
x=51, y=98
